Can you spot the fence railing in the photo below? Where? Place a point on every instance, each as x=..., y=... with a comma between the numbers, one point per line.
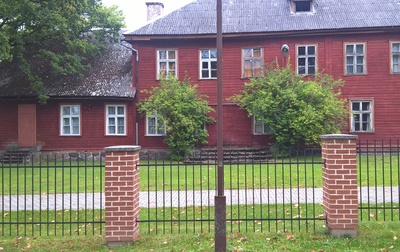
x=275, y=194
x=379, y=180
x=52, y=195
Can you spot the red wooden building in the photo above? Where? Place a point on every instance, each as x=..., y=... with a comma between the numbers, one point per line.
x=82, y=114
x=355, y=40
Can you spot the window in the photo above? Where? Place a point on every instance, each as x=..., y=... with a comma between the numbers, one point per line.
x=166, y=63
x=115, y=120
x=155, y=125
x=306, y=60
x=396, y=57
x=303, y=6
x=70, y=120
x=260, y=127
x=361, y=118
x=208, y=63
x=355, y=59
x=252, y=62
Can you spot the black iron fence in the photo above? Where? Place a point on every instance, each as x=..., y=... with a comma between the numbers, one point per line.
x=52, y=194
x=263, y=193
x=379, y=180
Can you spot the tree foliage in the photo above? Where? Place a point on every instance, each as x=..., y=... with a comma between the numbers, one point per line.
x=297, y=111
x=62, y=33
x=184, y=112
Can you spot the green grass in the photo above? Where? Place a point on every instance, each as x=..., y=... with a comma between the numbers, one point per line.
x=372, y=236
x=284, y=173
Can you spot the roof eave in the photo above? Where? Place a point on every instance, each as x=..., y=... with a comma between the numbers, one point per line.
x=320, y=32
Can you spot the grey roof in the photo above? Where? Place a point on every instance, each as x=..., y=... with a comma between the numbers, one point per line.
x=110, y=75
x=257, y=16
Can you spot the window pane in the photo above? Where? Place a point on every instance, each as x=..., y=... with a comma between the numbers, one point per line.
x=366, y=106
x=349, y=49
x=205, y=54
x=357, y=126
x=365, y=117
x=360, y=59
x=311, y=61
x=75, y=121
x=121, y=121
x=355, y=106
x=111, y=121
x=257, y=53
x=356, y=117
x=120, y=110
x=213, y=65
x=213, y=73
x=75, y=130
x=396, y=59
x=66, y=130
x=302, y=61
x=247, y=53
x=162, y=55
x=66, y=121
x=349, y=69
x=66, y=111
x=111, y=110
x=311, y=70
x=213, y=54
x=111, y=130
x=301, y=50
x=204, y=74
x=396, y=47
x=350, y=60
x=360, y=69
x=171, y=54
x=302, y=70
x=311, y=50
x=121, y=130
x=360, y=49
x=75, y=110
x=171, y=66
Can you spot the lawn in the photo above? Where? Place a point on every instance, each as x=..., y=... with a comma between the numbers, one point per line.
x=73, y=177
x=372, y=236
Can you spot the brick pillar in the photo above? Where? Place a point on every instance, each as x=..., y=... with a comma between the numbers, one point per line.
x=122, y=194
x=340, y=193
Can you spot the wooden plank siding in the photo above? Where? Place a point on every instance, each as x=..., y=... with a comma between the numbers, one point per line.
x=93, y=136
x=377, y=84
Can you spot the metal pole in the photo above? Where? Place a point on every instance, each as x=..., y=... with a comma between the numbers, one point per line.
x=220, y=199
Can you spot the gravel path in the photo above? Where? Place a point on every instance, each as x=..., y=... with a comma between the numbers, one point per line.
x=190, y=198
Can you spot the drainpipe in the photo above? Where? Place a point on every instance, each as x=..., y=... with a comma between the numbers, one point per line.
x=122, y=42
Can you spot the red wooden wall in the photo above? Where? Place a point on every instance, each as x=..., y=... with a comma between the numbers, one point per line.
x=48, y=126
x=378, y=83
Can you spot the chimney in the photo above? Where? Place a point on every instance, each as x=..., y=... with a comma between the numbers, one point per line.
x=154, y=9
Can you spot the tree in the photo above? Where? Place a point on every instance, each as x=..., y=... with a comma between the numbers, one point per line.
x=297, y=111
x=60, y=33
x=183, y=111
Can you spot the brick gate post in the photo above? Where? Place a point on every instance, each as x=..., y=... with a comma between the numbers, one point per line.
x=340, y=193
x=121, y=194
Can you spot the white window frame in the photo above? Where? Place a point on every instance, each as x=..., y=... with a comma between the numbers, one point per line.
x=395, y=65
x=116, y=116
x=158, y=131
x=306, y=58
x=69, y=117
x=251, y=60
x=161, y=72
x=361, y=112
x=354, y=55
x=261, y=123
x=209, y=61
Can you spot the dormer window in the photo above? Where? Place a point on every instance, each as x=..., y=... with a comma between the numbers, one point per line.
x=301, y=6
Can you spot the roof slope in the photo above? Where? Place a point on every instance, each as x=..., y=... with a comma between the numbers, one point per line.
x=254, y=16
x=110, y=75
